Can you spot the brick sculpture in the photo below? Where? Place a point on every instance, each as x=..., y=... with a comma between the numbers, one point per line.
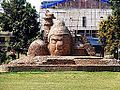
x=59, y=39
x=37, y=48
x=47, y=24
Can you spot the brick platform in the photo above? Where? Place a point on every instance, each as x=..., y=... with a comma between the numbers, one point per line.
x=115, y=68
x=64, y=63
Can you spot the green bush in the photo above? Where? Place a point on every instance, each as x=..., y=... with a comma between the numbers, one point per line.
x=3, y=56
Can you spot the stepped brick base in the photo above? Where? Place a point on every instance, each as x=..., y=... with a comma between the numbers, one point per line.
x=63, y=63
x=114, y=68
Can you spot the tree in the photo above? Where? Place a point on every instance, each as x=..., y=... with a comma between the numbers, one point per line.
x=115, y=6
x=3, y=56
x=20, y=18
x=109, y=30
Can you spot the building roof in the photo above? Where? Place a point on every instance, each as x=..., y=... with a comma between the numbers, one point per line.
x=48, y=4
x=107, y=1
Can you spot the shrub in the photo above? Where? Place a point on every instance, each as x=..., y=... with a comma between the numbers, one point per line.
x=3, y=56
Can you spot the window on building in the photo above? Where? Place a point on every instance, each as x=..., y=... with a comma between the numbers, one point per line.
x=84, y=21
x=94, y=33
x=2, y=39
x=87, y=32
x=81, y=32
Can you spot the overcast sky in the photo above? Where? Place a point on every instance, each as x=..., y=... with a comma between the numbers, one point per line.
x=35, y=3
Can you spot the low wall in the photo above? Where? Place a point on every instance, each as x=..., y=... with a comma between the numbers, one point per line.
x=61, y=68
x=63, y=63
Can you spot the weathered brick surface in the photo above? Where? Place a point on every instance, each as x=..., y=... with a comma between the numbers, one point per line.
x=37, y=48
x=61, y=68
x=80, y=51
x=59, y=38
x=62, y=63
x=59, y=62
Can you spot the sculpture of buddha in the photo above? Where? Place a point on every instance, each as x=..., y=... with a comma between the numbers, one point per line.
x=59, y=39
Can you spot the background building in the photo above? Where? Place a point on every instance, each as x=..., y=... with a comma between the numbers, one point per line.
x=81, y=16
x=5, y=38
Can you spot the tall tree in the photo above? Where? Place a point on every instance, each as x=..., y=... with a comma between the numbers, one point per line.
x=109, y=30
x=115, y=5
x=20, y=18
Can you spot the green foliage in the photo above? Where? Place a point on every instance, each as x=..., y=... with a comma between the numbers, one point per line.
x=115, y=5
x=109, y=34
x=3, y=56
x=109, y=30
x=20, y=18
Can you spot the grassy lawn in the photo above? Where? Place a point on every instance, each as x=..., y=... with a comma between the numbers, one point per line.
x=74, y=80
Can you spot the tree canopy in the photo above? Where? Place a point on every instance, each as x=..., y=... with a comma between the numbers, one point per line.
x=109, y=29
x=20, y=18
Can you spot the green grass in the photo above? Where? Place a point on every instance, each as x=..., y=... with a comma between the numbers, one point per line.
x=74, y=80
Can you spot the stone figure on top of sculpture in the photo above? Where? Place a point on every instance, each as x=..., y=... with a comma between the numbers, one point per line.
x=58, y=40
